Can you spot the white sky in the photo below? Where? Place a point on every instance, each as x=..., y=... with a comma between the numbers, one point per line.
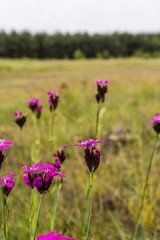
x=93, y=16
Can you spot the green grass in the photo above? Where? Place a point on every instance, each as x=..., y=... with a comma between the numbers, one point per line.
x=133, y=99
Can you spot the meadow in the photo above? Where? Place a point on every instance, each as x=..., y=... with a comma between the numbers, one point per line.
x=133, y=99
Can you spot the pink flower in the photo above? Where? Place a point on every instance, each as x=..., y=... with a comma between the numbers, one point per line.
x=53, y=236
x=102, y=82
x=92, y=156
x=57, y=165
x=61, y=154
x=101, y=89
x=20, y=119
x=88, y=143
x=8, y=183
x=33, y=104
x=156, y=123
x=53, y=100
x=4, y=144
x=40, y=176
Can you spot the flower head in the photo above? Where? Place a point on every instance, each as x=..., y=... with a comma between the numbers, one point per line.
x=39, y=111
x=20, y=119
x=33, y=103
x=101, y=89
x=8, y=183
x=61, y=156
x=40, y=176
x=53, y=99
x=57, y=165
x=3, y=144
x=156, y=123
x=92, y=155
x=53, y=236
x=35, y=106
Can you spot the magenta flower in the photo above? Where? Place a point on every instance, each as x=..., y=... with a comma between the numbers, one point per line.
x=8, y=183
x=3, y=144
x=39, y=112
x=53, y=236
x=20, y=119
x=156, y=123
x=35, y=106
x=92, y=156
x=61, y=154
x=33, y=103
x=40, y=176
x=53, y=100
x=57, y=165
x=102, y=90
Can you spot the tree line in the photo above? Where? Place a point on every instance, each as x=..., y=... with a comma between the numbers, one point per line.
x=42, y=45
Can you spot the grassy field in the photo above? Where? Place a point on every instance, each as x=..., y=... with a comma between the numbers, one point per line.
x=132, y=100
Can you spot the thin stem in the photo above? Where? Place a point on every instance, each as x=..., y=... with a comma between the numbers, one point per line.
x=144, y=189
x=37, y=141
x=33, y=154
x=38, y=213
x=51, y=133
x=90, y=211
x=84, y=208
x=22, y=147
x=97, y=120
x=30, y=216
x=55, y=206
x=4, y=212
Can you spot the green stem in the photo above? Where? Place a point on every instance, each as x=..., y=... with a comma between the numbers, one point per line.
x=30, y=216
x=4, y=212
x=55, y=206
x=22, y=147
x=90, y=211
x=97, y=120
x=39, y=208
x=84, y=209
x=144, y=189
x=33, y=154
x=51, y=133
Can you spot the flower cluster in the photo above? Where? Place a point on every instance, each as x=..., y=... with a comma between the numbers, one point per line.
x=53, y=100
x=3, y=144
x=53, y=236
x=156, y=123
x=20, y=119
x=40, y=176
x=61, y=156
x=8, y=183
x=102, y=90
x=35, y=105
x=92, y=156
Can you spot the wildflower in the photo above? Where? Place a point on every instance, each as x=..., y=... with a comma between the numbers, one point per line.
x=33, y=104
x=57, y=165
x=102, y=90
x=156, y=123
x=53, y=236
x=20, y=119
x=61, y=154
x=92, y=156
x=53, y=100
x=3, y=144
x=40, y=176
x=38, y=112
x=8, y=183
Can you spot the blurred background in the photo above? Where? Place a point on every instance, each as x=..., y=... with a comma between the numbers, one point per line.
x=78, y=29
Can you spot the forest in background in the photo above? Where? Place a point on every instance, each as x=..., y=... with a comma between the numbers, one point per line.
x=79, y=45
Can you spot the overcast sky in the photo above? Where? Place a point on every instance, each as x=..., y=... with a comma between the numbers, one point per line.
x=93, y=16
